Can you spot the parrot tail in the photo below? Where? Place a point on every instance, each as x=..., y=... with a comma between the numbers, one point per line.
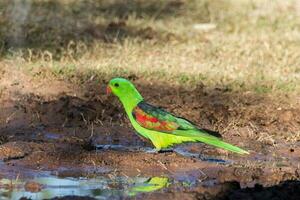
x=207, y=139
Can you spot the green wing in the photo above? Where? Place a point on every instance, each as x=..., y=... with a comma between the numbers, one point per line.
x=153, y=118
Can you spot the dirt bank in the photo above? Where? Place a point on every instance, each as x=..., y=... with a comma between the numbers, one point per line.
x=62, y=128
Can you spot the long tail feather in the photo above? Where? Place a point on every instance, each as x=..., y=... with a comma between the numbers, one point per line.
x=221, y=144
x=211, y=140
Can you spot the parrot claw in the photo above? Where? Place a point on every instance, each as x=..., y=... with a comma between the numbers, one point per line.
x=160, y=151
x=166, y=151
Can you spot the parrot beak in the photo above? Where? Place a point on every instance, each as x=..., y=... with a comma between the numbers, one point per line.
x=108, y=90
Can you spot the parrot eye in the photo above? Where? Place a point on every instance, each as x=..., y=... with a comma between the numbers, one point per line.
x=116, y=84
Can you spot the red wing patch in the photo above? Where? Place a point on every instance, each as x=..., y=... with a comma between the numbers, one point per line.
x=153, y=123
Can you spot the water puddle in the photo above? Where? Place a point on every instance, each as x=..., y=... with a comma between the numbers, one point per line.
x=98, y=188
x=120, y=147
x=17, y=182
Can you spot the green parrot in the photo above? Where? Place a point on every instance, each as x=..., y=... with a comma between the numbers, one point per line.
x=162, y=128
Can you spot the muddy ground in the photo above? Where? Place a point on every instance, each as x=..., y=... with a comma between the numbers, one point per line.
x=52, y=125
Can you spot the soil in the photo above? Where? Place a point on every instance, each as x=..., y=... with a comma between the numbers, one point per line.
x=77, y=130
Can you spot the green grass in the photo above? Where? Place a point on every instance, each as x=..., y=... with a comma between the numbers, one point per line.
x=255, y=46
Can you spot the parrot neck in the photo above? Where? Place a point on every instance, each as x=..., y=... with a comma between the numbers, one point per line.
x=130, y=102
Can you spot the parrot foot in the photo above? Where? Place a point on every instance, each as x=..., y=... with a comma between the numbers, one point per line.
x=166, y=151
x=160, y=151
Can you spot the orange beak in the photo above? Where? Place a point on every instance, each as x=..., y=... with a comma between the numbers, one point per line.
x=108, y=90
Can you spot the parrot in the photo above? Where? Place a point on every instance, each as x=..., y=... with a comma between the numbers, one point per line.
x=162, y=128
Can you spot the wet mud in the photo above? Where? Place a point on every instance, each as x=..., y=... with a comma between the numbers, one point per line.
x=60, y=141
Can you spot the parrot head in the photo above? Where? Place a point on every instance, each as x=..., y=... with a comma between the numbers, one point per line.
x=123, y=89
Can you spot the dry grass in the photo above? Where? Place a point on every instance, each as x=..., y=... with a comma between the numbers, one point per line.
x=255, y=45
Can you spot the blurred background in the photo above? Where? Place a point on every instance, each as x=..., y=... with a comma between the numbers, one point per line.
x=243, y=45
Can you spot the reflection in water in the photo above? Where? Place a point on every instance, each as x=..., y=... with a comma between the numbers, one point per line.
x=98, y=188
x=152, y=184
